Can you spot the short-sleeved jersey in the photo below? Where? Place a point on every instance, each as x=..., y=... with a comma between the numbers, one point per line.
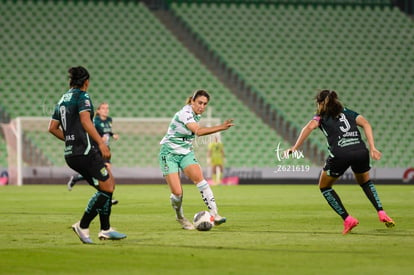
x=216, y=150
x=341, y=132
x=179, y=139
x=77, y=140
x=104, y=127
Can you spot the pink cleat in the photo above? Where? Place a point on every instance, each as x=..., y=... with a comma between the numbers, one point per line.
x=349, y=223
x=383, y=217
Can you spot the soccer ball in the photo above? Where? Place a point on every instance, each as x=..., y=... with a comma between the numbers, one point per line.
x=203, y=221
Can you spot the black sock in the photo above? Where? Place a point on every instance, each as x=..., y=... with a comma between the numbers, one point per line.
x=95, y=205
x=371, y=192
x=334, y=201
x=105, y=213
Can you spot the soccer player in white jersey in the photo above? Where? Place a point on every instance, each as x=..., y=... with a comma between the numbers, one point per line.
x=177, y=153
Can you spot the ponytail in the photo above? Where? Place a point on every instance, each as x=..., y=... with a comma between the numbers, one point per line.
x=329, y=103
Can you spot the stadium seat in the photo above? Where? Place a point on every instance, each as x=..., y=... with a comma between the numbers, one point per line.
x=284, y=52
x=328, y=46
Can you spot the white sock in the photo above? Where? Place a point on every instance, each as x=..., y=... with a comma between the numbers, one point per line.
x=207, y=196
x=176, y=202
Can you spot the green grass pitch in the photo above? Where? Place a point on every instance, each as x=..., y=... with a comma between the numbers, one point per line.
x=271, y=229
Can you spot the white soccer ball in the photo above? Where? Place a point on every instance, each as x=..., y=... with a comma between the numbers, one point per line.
x=203, y=221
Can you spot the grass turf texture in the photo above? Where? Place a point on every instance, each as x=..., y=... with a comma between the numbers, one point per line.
x=277, y=229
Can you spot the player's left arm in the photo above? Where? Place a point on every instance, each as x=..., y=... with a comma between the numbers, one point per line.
x=115, y=136
x=222, y=151
x=54, y=129
x=363, y=122
x=202, y=131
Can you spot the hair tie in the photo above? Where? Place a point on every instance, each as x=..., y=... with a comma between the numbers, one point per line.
x=194, y=95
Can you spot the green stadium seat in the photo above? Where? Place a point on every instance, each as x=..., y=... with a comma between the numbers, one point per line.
x=285, y=52
x=344, y=56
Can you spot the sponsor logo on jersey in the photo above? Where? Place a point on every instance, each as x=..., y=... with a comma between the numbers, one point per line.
x=104, y=172
x=348, y=141
x=70, y=137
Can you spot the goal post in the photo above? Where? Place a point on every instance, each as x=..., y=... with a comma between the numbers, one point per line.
x=11, y=137
x=38, y=154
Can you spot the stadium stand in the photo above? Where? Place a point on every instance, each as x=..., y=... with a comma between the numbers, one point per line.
x=283, y=52
x=136, y=65
x=287, y=52
x=294, y=2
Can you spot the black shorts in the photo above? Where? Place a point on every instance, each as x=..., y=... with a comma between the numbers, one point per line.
x=358, y=160
x=91, y=167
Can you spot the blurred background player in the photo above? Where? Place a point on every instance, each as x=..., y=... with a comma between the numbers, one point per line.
x=85, y=152
x=103, y=124
x=177, y=153
x=215, y=158
x=346, y=149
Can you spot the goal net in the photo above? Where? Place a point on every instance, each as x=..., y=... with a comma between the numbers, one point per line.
x=36, y=154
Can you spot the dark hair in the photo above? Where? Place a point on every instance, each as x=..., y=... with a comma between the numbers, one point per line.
x=78, y=76
x=196, y=94
x=329, y=103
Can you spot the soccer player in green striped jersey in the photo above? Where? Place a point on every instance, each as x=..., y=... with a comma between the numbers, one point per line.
x=177, y=153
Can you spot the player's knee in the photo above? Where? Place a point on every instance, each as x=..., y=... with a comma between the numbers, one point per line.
x=107, y=186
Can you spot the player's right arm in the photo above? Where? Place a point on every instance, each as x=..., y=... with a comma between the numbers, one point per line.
x=304, y=134
x=54, y=125
x=202, y=131
x=93, y=133
x=54, y=129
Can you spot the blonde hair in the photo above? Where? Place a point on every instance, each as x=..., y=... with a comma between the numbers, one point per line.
x=99, y=107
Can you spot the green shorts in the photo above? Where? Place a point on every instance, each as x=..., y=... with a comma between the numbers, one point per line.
x=171, y=163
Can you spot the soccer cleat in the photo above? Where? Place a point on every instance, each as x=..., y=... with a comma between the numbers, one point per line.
x=114, y=202
x=383, y=217
x=219, y=219
x=185, y=224
x=71, y=183
x=111, y=234
x=349, y=223
x=83, y=234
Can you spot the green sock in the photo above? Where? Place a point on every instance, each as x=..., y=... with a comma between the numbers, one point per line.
x=334, y=201
x=105, y=212
x=95, y=205
x=78, y=177
x=371, y=192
